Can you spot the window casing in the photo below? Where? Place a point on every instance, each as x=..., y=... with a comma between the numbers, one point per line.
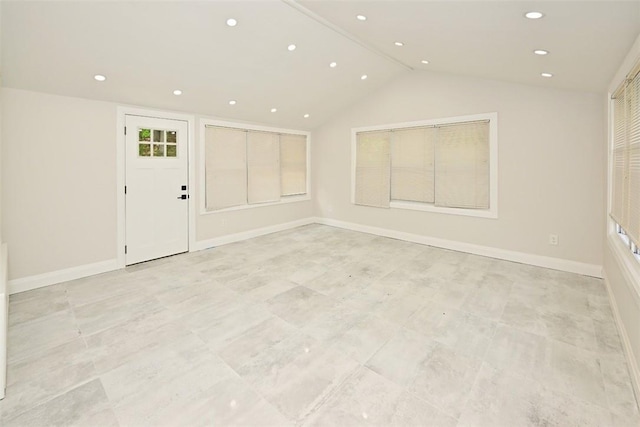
x=447, y=165
x=248, y=166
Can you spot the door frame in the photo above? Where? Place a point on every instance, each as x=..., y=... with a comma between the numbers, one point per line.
x=122, y=112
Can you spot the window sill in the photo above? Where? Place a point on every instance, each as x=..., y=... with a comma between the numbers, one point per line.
x=416, y=206
x=629, y=263
x=283, y=201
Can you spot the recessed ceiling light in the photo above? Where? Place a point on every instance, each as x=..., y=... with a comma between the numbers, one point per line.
x=306, y=116
x=333, y=65
x=361, y=17
x=541, y=52
x=232, y=22
x=100, y=77
x=363, y=77
x=291, y=47
x=546, y=74
x=177, y=92
x=424, y=61
x=273, y=110
x=399, y=44
x=534, y=15
x=232, y=102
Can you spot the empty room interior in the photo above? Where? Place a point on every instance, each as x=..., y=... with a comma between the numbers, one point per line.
x=320, y=213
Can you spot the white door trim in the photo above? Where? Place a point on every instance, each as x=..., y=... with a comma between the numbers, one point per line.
x=120, y=172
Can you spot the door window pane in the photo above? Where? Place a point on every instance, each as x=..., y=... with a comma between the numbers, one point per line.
x=158, y=150
x=158, y=135
x=144, y=150
x=144, y=134
x=171, y=150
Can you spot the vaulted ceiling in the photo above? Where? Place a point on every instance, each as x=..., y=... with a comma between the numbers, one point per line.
x=148, y=49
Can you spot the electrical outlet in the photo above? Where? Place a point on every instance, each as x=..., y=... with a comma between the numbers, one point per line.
x=553, y=239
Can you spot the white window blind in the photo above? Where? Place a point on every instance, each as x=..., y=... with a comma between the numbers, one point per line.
x=462, y=166
x=225, y=167
x=412, y=169
x=633, y=102
x=293, y=164
x=373, y=169
x=625, y=203
x=620, y=156
x=263, y=167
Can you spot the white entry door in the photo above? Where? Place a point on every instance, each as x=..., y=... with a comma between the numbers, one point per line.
x=157, y=205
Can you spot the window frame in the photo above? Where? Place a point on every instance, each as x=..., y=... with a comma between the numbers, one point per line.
x=243, y=126
x=491, y=213
x=619, y=243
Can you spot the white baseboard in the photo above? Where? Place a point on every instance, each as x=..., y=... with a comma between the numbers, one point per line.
x=41, y=280
x=38, y=281
x=537, y=260
x=249, y=234
x=632, y=361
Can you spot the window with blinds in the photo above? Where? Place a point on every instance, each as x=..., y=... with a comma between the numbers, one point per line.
x=625, y=158
x=442, y=166
x=248, y=167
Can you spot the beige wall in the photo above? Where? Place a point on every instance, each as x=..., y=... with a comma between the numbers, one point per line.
x=550, y=164
x=58, y=181
x=624, y=287
x=59, y=185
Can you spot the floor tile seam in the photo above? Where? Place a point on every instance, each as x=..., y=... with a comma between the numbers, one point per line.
x=34, y=319
x=406, y=389
x=110, y=296
x=30, y=354
x=381, y=346
x=633, y=394
x=535, y=379
x=547, y=385
x=328, y=396
x=114, y=325
x=50, y=398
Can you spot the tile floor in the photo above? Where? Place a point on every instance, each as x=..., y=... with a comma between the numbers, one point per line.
x=319, y=326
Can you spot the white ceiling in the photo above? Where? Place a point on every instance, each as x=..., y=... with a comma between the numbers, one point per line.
x=147, y=49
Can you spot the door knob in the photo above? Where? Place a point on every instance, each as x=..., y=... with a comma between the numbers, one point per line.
x=183, y=197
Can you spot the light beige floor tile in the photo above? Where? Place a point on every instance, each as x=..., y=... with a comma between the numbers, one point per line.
x=618, y=388
x=30, y=305
x=608, y=340
x=199, y=296
x=500, y=398
x=401, y=357
x=160, y=367
x=365, y=337
x=297, y=375
x=221, y=331
x=45, y=375
x=40, y=334
x=444, y=379
x=271, y=289
x=92, y=289
x=462, y=332
x=368, y=399
x=299, y=305
x=109, y=312
x=86, y=405
x=573, y=371
x=518, y=351
x=257, y=339
x=226, y=337
x=572, y=329
x=228, y=402
x=116, y=346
